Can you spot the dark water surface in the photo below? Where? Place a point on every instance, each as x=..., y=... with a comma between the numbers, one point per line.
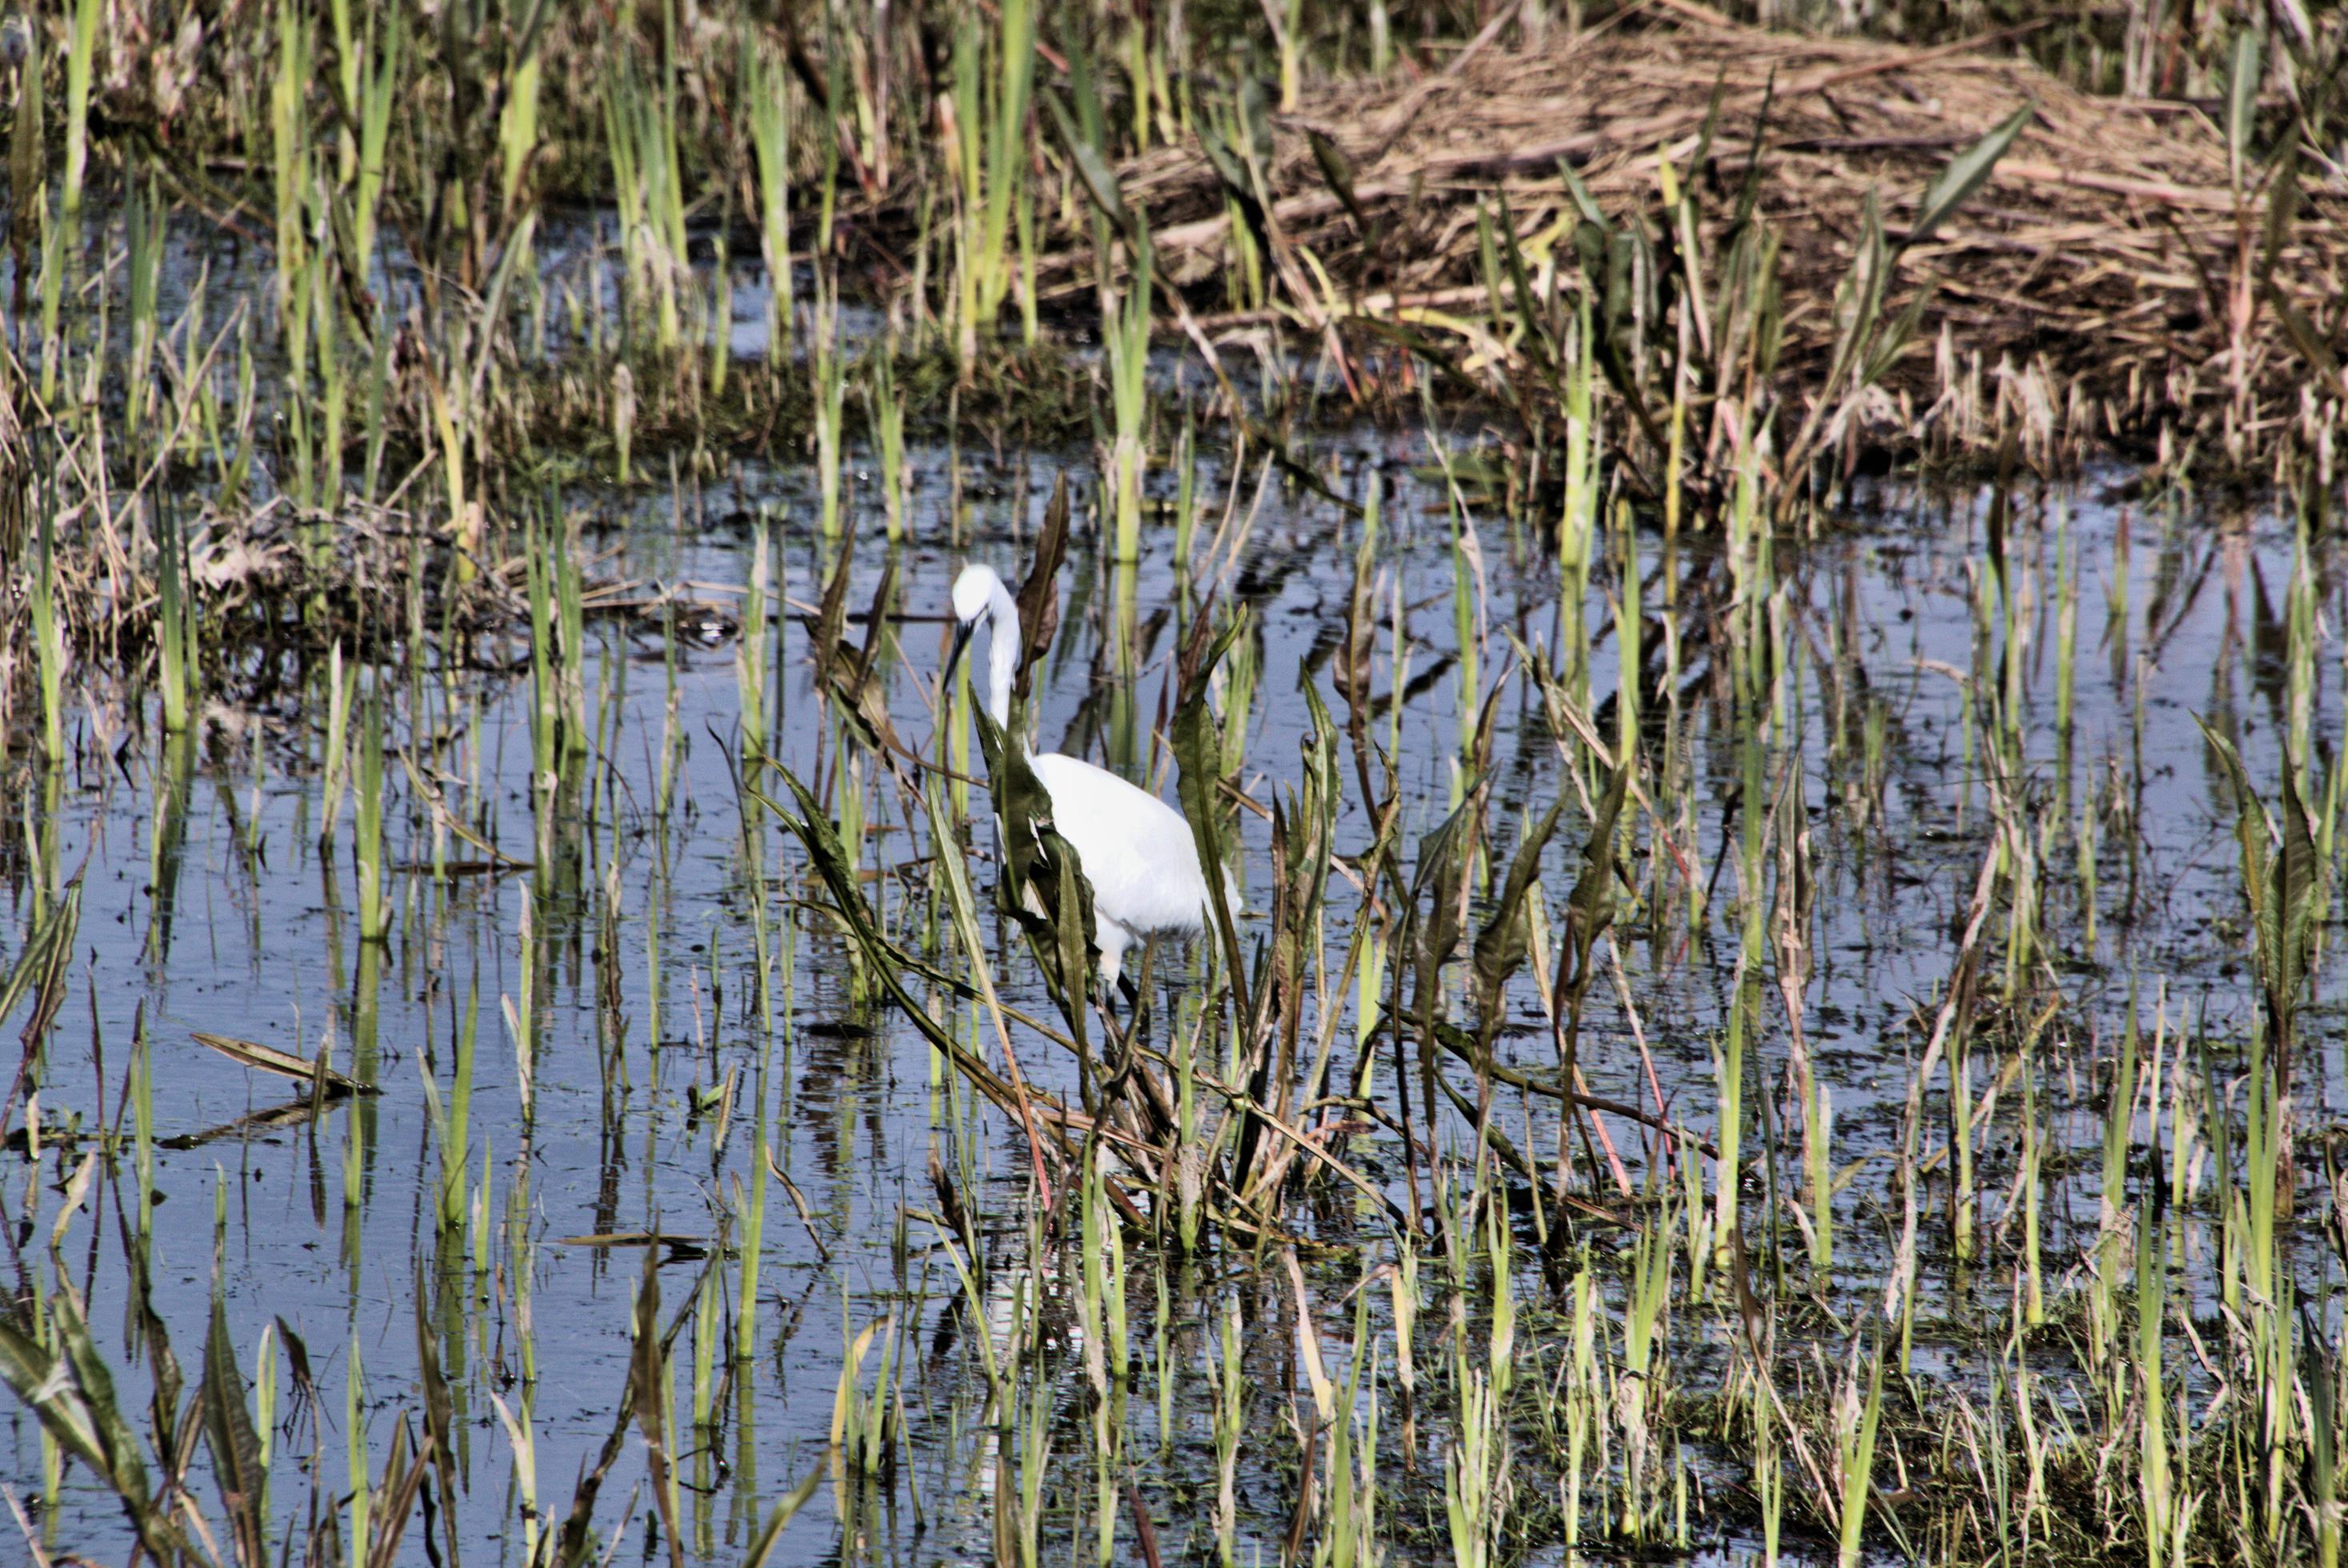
x=209, y=905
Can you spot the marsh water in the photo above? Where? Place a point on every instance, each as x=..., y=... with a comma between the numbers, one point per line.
x=209, y=903
x=614, y=1005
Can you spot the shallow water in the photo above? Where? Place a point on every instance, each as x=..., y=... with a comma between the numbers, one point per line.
x=209, y=905
x=211, y=901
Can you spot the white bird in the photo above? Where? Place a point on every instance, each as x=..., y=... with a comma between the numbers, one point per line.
x=1137, y=851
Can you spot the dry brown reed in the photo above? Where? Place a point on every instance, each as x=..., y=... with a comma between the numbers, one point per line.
x=2109, y=272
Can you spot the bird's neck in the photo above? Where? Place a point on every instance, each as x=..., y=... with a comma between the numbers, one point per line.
x=1002, y=641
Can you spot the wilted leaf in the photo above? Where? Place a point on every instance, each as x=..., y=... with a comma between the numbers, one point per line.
x=1501, y=945
x=829, y=632
x=439, y=1406
x=1590, y=910
x=270, y=1060
x=1197, y=767
x=629, y=1239
x=1338, y=173
x=1197, y=756
x=1039, y=590
x=2293, y=896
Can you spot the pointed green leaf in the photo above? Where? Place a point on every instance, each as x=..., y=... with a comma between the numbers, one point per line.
x=40, y=967
x=1099, y=180
x=1964, y=175
x=1338, y=173
x=2242, y=99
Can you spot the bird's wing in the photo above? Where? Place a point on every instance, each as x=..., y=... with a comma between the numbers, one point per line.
x=1137, y=850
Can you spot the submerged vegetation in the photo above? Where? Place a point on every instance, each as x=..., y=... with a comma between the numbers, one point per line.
x=1753, y=617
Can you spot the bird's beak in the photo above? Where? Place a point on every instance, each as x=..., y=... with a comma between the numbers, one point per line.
x=962, y=640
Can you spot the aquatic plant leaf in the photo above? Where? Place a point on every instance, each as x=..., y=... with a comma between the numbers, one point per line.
x=1439, y=848
x=2297, y=865
x=1072, y=928
x=1349, y=668
x=1587, y=205
x=1610, y=261
x=73, y=1394
x=1323, y=797
x=395, y=1498
x=1501, y=945
x=1338, y=173
x=1589, y=908
x=1859, y=299
x=44, y=1381
x=1964, y=175
x=1225, y=165
x=1537, y=336
x=1035, y=862
x=2249, y=824
x=1702, y=154
x=28, y=148
x=1255, y=106
x=2283, y=210
x=762, y=1545
x=1198, y=747
x=845, y=677
x=235, y=1446
x=439, y=1407
x=1748, y=195
x=2279, y=865
x=1437, y=357
x=297, y=1357
x=270, y=1060
x=1039, y=590
x=830, y=629
x=817, y=835
x=876, y=626
x=1099, y=179
x=1239, y=187
x=40, y=967
x=1887, y=349
x=1197, y=759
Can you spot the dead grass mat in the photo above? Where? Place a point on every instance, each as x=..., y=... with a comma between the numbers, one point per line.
x=2101, y=255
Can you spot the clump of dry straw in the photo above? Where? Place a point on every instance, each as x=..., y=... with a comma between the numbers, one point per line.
x=2121, y=270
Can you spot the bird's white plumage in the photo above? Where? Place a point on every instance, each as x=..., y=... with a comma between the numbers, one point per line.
x=1137, y=851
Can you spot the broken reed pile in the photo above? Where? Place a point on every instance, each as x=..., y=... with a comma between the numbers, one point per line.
x=2131, y=269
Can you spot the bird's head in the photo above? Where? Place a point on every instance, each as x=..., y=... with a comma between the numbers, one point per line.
x=973, y=592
